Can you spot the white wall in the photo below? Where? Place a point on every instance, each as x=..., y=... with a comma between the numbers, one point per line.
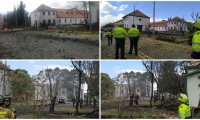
x=40, y=17
x=193, y=90
x=177, y=26
x=70, y=20
x=128, y=21
x=159, y=28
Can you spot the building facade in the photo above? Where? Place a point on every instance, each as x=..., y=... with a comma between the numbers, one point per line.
x=175, y=24
x=51, y=16
x=139, y=19
x=1, y=21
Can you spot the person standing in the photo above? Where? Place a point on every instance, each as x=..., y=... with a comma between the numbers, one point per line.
x=184, y=110
x=4, y=112
x=134, y=35
x=73, y=101
x=109, y=37
x=120, y=34
x=101, y=34
x=8, y=105
x=196, y=41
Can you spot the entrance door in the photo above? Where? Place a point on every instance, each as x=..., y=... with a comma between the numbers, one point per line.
x=139, y=27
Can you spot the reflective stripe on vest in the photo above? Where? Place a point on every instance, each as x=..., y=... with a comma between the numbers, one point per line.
x=196, y=41
x=3, y=114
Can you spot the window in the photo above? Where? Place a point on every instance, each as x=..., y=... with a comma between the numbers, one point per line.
x=75, y=20
x=54, y=22
x=174, y=22
x=43, y=13
x=70, y=20
x=49, y=22
x=53, y=13
x=140, y=19
x=63, y=92
x=59, y=21
x=48, y=13
x=65, y=20
x=44, y=22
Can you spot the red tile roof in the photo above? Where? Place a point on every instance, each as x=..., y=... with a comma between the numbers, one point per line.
x=43, y=8
x=159, y=24
x=117, y=22
x=137, y=13
x=177, y=19
x=68, y=13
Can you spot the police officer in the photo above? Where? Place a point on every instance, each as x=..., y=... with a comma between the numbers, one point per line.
x=134, y=35
x=7, y=104
x=120, y=34
x=109, y=37
x=101, y=33
x=4, y=112
x=184, y=109
x=196, y=41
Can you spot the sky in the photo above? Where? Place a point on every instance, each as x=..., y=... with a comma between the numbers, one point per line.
x=33, y=67
x=113, y=68
x=115, y=10
x=31, y=5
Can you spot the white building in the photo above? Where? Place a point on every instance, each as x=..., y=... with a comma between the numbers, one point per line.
x=175, y=24
x=41, y=91
x=4, y=83
x=139, y=19
x=1, y=21
x=51, y=16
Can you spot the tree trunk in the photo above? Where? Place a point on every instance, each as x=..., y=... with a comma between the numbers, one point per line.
x=90, y=100
x=79, y=90
x=131, y=101
x=152, y=78
x=87, y=97
x=51, y=109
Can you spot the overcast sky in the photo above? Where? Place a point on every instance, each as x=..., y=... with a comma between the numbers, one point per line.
x=31, y=5
x=112, y=11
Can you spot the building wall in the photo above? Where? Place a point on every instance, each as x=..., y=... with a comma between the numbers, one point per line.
x=178, y=25
x=70, y=20
x=128, y=21
x=159, y=28
x=39, y=17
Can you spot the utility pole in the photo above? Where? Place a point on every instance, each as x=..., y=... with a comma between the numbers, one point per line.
x=134, y=14
x=4, y=80
x=15, y=15
x=153, y=18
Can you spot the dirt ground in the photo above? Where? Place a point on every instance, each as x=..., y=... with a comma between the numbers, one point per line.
x=48, y=45
x=62, y=111
x=149, y=48
x=109, y=110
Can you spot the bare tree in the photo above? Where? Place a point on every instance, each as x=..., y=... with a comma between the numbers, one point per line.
x=77, y=66
x=149, y=67
x=53, y=92
x=194, y=15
